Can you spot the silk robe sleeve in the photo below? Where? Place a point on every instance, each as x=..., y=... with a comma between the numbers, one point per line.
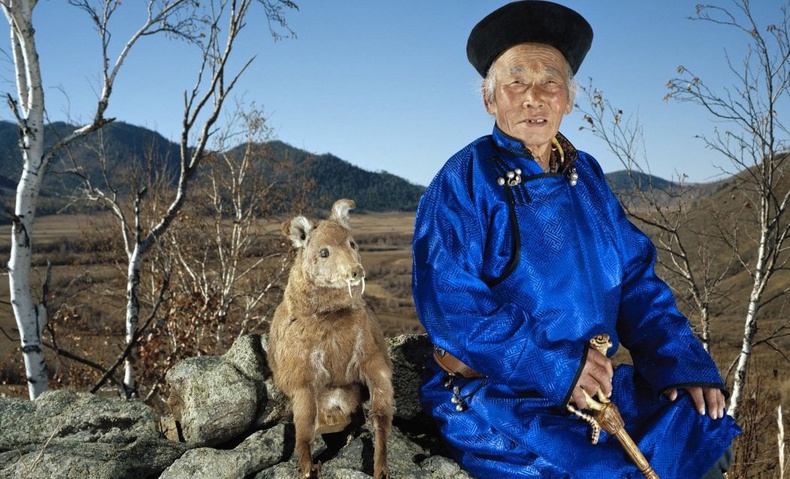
x=663, y=347
x=458, y=309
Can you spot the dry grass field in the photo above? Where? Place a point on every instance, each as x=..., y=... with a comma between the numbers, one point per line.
x=92, y=283
x=89, y=299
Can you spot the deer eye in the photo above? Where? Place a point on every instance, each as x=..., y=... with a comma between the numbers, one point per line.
x=353, y=244
x=324, y=253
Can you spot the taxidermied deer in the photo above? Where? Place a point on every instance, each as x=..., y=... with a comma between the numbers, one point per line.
x=325, y=343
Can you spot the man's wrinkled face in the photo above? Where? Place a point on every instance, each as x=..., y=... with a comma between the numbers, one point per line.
x=531, y=95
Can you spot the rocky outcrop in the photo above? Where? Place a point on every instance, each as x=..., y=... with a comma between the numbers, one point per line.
x=70, y=435
x=228, y=421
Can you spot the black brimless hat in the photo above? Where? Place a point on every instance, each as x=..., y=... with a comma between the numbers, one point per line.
x=529, y=21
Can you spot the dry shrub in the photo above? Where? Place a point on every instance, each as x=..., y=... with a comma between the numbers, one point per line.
x=189, y=327
x=12, y=370
x=755, y=450
x=78, y=350
x=12, y=375
x=383, y=241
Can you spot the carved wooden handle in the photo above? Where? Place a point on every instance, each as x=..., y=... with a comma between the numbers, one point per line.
x=612, y=422
x=608, y=416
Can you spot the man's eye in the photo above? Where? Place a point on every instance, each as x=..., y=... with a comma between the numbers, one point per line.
x=324, y=253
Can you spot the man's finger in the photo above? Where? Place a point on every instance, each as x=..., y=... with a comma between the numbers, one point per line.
x=599, y=368
x=671, y=394
x=698, y=398
x=714, y=398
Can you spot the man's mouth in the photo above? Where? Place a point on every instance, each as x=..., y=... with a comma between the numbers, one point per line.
x=536, y=121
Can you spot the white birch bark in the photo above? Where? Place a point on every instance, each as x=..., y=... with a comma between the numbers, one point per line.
x=132, y=315
x=762, y=273
x=179, y=18
x=29, y=110
x=753, y=137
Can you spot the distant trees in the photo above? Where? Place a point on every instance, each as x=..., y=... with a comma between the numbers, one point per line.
x=213, y=27
x=335, y=178
x=752, y=136
x=220, y=251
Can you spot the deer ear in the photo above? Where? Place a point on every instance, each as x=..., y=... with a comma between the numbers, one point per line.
x=340, y=211
x=297, y=229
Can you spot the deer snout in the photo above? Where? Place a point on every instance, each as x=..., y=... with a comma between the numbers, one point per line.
x=357, y=273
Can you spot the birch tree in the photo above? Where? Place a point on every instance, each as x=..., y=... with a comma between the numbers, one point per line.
x=182, y=19
x=678, y=224
x=28, y=107
x=223, y=254
x=702, y=253
x=753, y=138
x=202, y=107
x=245, y=185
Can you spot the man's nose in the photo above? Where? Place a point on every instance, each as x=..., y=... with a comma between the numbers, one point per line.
x=532, y=96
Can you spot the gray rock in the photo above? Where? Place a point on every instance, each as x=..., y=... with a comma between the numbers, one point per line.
x=227, y=401
x=71, y=435
x=259, y=451
x=409, y=353
x=440, y=467
x=211, y=400
x=406, y=460
x=248, y=356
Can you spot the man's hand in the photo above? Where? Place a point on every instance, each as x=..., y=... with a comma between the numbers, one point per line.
x=596, y=374
x=713, y=398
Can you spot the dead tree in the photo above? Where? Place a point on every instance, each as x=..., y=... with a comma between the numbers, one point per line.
x=184, y=19
x=203, y=105
x=244, y=185
x=668, y=212
x=28, y=107
x=753, y=138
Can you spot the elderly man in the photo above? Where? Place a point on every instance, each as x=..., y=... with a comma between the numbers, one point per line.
x=522, y=254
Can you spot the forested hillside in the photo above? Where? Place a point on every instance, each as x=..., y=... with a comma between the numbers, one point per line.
x=128, y=147
x=335, y=178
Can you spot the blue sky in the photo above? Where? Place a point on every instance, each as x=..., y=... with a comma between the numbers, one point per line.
x=386, y=85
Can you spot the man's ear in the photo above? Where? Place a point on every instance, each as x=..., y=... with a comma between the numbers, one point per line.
x=571, y=100
x=490, y=105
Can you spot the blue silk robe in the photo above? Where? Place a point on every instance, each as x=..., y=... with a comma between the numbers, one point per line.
x=514, y=281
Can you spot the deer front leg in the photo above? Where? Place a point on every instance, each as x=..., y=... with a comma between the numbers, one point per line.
x=379, y=381
x=304, y=412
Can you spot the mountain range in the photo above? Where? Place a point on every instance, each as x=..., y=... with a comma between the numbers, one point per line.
x=706, y=206
x=123, y=144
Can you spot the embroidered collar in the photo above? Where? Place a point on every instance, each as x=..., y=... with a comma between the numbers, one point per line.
x=563, y=153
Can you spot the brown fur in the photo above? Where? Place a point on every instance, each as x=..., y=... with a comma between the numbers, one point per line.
x=325, y=342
